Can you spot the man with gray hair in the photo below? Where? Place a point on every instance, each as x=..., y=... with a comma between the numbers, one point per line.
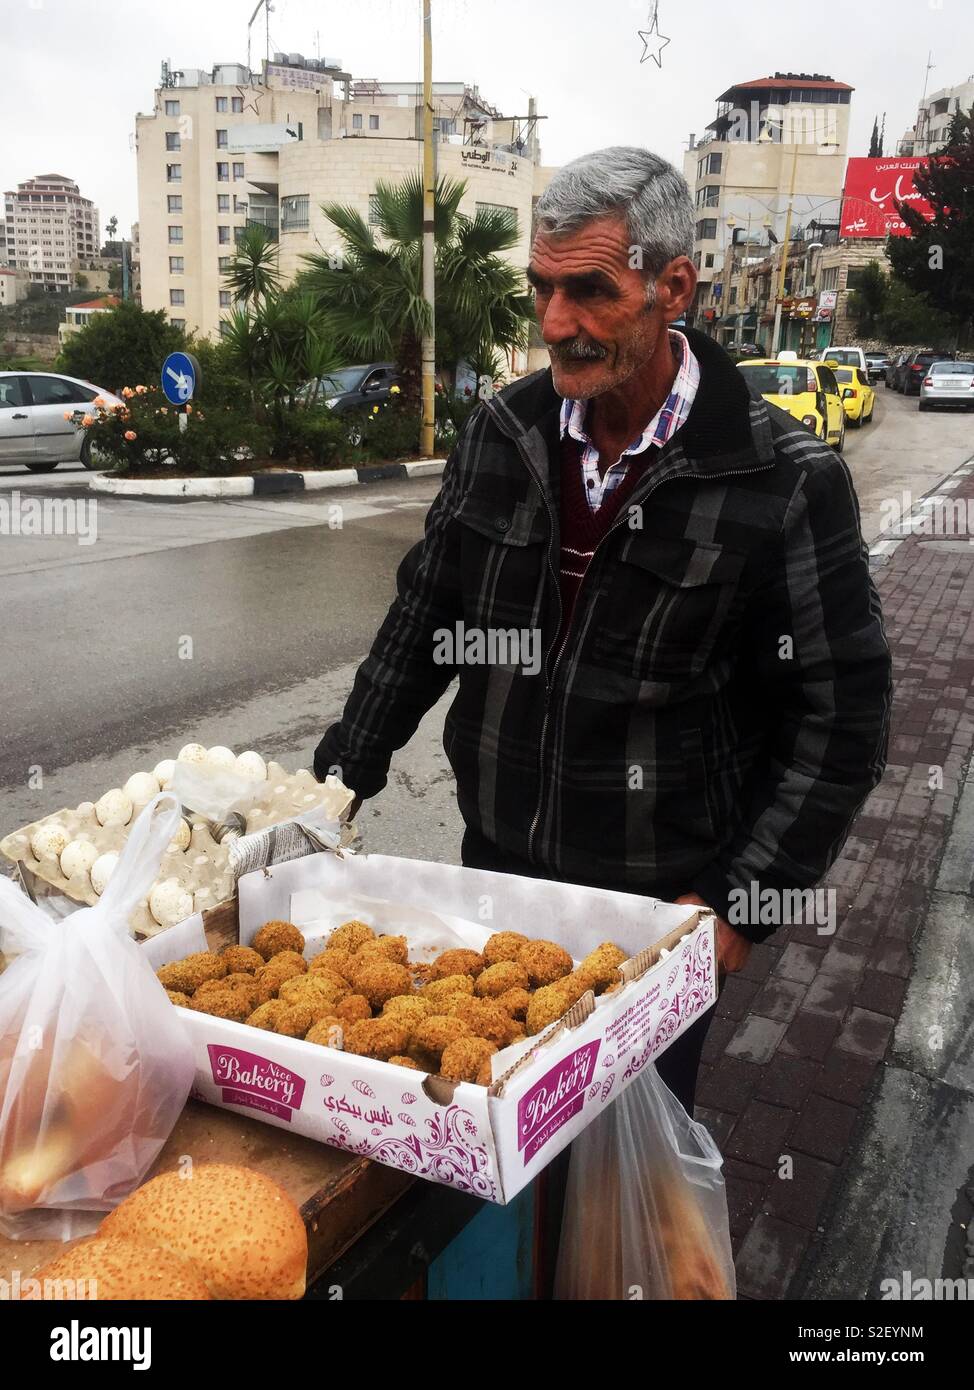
x=712, y=704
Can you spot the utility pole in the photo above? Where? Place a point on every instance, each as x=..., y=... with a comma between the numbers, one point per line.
x=429, y=243
x=776, y=339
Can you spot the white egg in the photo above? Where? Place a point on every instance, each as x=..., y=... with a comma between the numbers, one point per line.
x=221, y=757
x=114, y=808
x=49, y=840
x=163, y=772
x=180, y=840
x=77, y=857
x=86, y=808
x=252, y=765
x=101, y=871
x=170, y=903
x=141, y=787
x=192, y=753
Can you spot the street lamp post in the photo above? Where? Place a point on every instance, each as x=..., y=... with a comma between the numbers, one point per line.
x=776, y=337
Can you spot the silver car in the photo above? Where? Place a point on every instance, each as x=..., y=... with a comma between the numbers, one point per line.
x=948, y=383
x=33, y=428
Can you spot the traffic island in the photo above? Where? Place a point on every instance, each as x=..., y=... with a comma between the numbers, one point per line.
x=262, y=484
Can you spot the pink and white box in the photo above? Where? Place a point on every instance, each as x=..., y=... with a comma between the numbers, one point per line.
x=547, y=1088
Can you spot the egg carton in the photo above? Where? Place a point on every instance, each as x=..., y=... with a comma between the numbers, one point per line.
x=63, y=856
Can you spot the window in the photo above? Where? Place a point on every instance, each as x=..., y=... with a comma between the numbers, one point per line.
x=223, y=202
x=225, y=298
x=709, y=260
x=708, y=197
x=236, y=104
x=733, y=295
x=175, y=265
x=174, y=202
x=357, y=121
x=374, y=217
x=707, y=229
x=178, y=323
x=829, y=279
x=221, y=103
x=696, y=259
x=174, y=173
x=172, y=140
x=223, y=234
x=238, y=170
x=373, y=123
x=224, y=264
x=239, y=204
x=52, y=390
x=177, y=296
x=446, y=125
x=221, y=139
x=295, y=213
x=175, y=235
x=12, y=392
x=172, y=108
x=854, y=277
x=223, y=173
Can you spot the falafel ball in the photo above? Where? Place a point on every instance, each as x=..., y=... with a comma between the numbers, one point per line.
x=265, y=1015
x=485, y=1019
x=327, y=1032
x=485, y=1075
x=284, y=966
x=601, y=966
x=353, y=1008
x=381, y=1038
x=404, y=1062
x=459, y=962
x=551, y=1001
x=498, y=979
x=504, y=945
x=433, y=1034
x=392, y=948
x=514, y=1002
x=222, y=1003
x=186, y=975
x=176, y=997
x=275, y=937
x=545, y=962
x=323, y=982
x=438, y=990
x=242, y=958
x=336, y=960
x=412, y=1008
x=350, y=936
x=462, y=1060
x=380, y=980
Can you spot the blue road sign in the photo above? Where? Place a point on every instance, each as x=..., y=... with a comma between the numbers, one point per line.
x=180, y=377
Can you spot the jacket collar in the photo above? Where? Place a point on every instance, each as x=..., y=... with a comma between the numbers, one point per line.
x=727, y=429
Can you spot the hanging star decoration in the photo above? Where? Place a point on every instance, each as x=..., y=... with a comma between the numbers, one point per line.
x=254, y=105
x=653, y=41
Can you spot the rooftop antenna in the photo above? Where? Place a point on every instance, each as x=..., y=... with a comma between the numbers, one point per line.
x=267, y=28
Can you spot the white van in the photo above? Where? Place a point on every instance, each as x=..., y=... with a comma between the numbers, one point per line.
x=845, y=356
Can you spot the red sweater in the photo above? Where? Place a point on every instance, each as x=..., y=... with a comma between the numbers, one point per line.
x=581, y=528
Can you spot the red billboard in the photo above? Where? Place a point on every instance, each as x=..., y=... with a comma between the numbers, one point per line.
x=872, y=189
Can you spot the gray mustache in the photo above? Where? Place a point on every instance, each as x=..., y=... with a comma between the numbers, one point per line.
x=578, y=350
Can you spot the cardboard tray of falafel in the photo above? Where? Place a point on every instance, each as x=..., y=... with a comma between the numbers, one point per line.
x=545, y=999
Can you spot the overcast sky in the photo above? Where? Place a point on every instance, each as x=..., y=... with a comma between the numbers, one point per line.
x=75, y=72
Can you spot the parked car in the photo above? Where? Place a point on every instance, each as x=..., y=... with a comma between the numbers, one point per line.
x=358, y=388
x=858, y=396
x=807, y=390
x=844, y=356
x=895, y=364
x=33, y=428
x=948, y=383
x=914, y=369
x=877, y=364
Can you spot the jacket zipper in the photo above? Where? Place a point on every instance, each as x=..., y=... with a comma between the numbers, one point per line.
x=616, y=525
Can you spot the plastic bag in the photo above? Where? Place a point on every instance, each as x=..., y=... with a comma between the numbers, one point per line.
x=645, y=1213
x=95, y=1065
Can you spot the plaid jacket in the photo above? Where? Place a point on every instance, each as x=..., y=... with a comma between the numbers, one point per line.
x=720, y=709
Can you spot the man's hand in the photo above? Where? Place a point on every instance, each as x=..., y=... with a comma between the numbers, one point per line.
x=732, y=948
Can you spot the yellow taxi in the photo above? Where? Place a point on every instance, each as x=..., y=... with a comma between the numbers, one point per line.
x=806, y=390
x=858, y=397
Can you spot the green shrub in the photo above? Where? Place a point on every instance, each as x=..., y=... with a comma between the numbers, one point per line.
x=144, y=435
x=318, y=438
x=388, y=432
x=221, y=440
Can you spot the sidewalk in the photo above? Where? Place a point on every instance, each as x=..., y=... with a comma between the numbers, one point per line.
x=794, y=1056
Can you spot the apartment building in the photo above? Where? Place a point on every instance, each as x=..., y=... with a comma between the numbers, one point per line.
x=78, y=316
x=50, y=230
x=226, y=147
x=934, y=115
x=769, y=134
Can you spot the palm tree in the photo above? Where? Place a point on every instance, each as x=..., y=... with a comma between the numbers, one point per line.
x=253, y=273
x=373, y=295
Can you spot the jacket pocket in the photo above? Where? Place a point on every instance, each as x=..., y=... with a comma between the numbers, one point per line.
x=662, y=610
x=503, y=562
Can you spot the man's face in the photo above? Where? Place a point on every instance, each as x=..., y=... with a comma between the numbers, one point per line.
x=592, y=306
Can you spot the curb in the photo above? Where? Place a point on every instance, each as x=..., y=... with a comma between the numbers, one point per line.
x=263, y=484
x=882, y=548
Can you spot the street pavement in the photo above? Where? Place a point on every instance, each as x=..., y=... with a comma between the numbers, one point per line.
x=822, y=1051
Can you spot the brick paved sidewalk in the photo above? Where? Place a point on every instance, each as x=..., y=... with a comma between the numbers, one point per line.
x=800, y=1033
